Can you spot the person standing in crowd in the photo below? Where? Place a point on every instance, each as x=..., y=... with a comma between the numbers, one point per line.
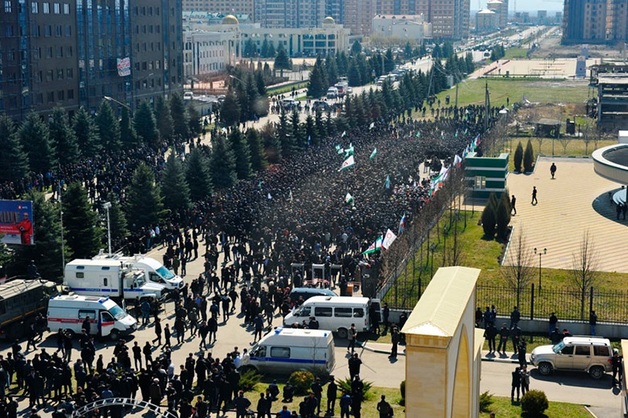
x=616, y=364
x=513, y=202
x=525, y=380
x=345, y=405
x=354, y=365
x=332, y=393
x=593, y=322
x=553, y=170
x=394, y=337
x=515, y=316
x=351, y=336
x=534, y=193
x=553, y=322
x=490, y=333
x=384, y=408
x=386, y=317
x=503, y=339
x=516, y=384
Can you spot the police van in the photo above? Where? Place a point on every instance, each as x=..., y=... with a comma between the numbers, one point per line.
x=285, y=350
x=105, y=316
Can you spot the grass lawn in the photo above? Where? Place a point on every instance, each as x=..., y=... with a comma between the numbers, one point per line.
x=504, y=409
x=369, y=407
x=286, y=89
x=537, y=90
x=514, y=53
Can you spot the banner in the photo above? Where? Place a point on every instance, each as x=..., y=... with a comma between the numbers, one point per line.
x=16, y=222
x=124, y=67
x=349, y=162
x=389, y=238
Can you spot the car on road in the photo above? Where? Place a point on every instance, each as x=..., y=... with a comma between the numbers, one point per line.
x=588, y=354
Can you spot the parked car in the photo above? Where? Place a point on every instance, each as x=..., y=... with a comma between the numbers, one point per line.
x=579, y=353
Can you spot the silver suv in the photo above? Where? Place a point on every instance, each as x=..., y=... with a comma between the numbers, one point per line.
x=579, y=353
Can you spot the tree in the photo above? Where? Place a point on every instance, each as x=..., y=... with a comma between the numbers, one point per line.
x=179, y=118
x=62, y=137
x=353, y=75
x=144, y=204
x=389, y=62
x=356, y=48
x=86, y=133
x=315, y=87
x=13, y=159
x=282, y=62
x=518, y=270
x=258, y=155
x=35, y=139
x=174, y=186
x=518, y=159
x=197, y=175
x=117, y=223
x=194, y=122
x=584, y=273
x=108, y=128
x=81, y=223
x=230, y=110
x=503, y=215
x=46, y=251
x=528, y=158
x=223, y=164
x=163, y=118
x=242, y=154
x=128, y=136
x=489, y=217
x=146, y=126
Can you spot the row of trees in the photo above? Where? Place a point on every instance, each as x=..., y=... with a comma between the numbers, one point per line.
x=246, y=98
x=527, y=158
x=39, y=146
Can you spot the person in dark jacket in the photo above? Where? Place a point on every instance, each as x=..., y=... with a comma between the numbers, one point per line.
x=242, y=405
x=503, y=339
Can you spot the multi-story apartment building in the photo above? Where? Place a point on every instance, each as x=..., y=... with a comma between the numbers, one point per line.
x=395, y=7
x=359, y=16
x=74, y=53
x=449, y=18
x=289, y=13
x=595, y=21
x=226, y=7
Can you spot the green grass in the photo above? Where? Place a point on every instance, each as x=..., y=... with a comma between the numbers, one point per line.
x=287, y=89
x=516, y=53
x=503, y=408
x=369, y=407
x=537, y=90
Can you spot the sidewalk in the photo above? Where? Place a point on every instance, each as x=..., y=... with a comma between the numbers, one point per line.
x=380, y=348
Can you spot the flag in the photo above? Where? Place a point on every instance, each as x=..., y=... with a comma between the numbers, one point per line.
x=374, y=247
x=290, y=196
x=456, y=134
x=387, y=182
x=344, y=133
x=476, y=141
x=309, y=140
x=373, y=154
x=457, y=160
x=348, y=199
x=372, y=125
x=349, y=151
x=418, y=134
x=402, y=224
x=339, y=149
x=389, y=238
x=269, y=196
x=349, y=162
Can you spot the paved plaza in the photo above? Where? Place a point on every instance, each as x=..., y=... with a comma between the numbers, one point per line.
x=574, y=202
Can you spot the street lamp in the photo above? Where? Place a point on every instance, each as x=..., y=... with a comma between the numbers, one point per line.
x=111, y=99
x=432, y=249
x=106, y=206
x=541, y=254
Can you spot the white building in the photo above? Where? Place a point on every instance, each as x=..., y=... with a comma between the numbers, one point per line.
x=409, y=27
x=486, y=21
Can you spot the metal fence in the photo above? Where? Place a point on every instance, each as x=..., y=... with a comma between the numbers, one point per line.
x=568, y=304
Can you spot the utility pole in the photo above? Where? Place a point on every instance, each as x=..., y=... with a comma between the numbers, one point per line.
x=487, y=107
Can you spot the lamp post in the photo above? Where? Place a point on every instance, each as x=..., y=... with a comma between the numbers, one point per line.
x=541, y=253
x=432, y=249
x=106, y=206
x=111, y=99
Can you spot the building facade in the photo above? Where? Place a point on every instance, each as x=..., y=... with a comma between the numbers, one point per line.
x=289, y=13
x=500, y=8
x=225, y=7
x=486, y=21
x=595, y=21
x=449, y=18
x=359, y=16
x=74, y=53
x=403, y=27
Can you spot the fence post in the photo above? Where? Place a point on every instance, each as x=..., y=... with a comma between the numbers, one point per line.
x=532, y=302
x=590, y=299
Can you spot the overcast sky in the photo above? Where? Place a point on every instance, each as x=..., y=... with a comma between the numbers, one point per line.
x=525, y=5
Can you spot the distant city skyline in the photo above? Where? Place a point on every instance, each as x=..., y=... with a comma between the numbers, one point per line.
x=525, y=5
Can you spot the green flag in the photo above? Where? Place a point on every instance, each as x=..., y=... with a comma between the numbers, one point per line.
x=373, y=154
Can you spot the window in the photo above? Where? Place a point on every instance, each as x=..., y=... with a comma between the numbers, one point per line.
x=583, y=350
x=60, y=75
x=70, y=94
x=61, y=95
x=358, y=313
x=568, y=350
x=601, y=350
x=66, y=9
x=56, y=8
x=34, y=7
x=84, y=313
x=280, y=352
x=45, y=8
x=342, y=312
x=68, y=30
x=323, y=312
x=49, y=77
x=104, y=282
x=51, y=96
x=8, y=7
x=480, y=182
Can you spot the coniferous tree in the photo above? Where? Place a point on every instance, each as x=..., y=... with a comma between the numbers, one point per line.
x=332, y=71
x=82, y=225
x=197, y=175
x=35, y=139
x=108, y=128
x=86, y=133
x=260, y=84
x=128, y=136
x=117, y=223
x=46, y=251
x=356, y=48
x=174, y=186
x=179, y=118
x=319, y=122
x=223, y=166
x=297, y=141
x=518, y=158
x=315, y=87
x=503, y=215
x=258, y=154
x=528, y=158
x=353, y=75
x=194, y=122
x=13, y=159
x=489, y=220
x=144, y=203
x=311, y=137
x=230, y=110
x=242, y=154
x=282, y=62
x=389, y=62
x=146, y=126
x=62, y=137
x=165, y=122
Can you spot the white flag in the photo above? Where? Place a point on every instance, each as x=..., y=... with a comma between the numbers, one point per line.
x=349, y=162
x=389, y=238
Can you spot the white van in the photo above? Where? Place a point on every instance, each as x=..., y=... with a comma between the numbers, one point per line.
x=286, y=350
x=335, y=313
x=155, y=272
x=332, y=93
x=107, y=318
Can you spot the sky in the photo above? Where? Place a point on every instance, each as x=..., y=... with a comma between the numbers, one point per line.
x=525, y=5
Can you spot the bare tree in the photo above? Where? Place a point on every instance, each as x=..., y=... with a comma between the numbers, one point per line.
x=587, y=137
x=564, y=141
x=518, y=269
x=584, y=274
